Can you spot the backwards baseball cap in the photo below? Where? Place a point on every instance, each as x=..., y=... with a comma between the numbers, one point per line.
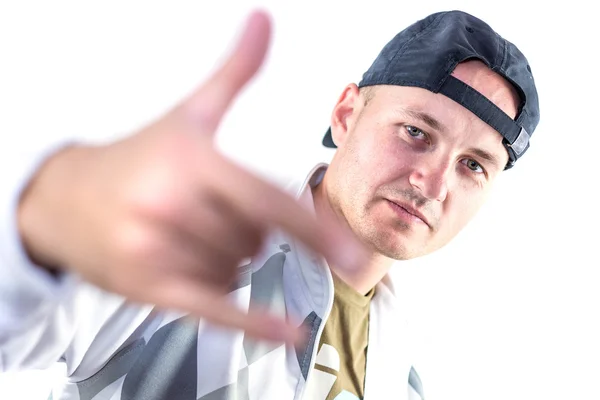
x=425, y=54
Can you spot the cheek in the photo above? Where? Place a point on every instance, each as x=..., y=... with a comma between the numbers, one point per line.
x=357, y=172
x=371, y=161
x=383, y=156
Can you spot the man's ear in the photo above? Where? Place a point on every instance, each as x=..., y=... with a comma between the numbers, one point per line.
x=344, y=114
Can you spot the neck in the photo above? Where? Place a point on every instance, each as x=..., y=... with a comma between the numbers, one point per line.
x=364, y=279
x=376, y=266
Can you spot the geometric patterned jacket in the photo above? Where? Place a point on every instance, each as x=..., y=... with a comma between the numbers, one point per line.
x=116, y=350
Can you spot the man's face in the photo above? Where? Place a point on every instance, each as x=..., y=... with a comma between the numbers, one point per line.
x=412, y=167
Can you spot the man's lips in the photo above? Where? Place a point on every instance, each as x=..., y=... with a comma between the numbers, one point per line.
x=408, y=212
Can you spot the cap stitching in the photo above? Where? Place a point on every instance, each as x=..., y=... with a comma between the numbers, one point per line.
x=451, y=63
x=523, y=118
x=503, y=53
x=398, y=83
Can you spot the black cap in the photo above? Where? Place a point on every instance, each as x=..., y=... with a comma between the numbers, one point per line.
x=425, y=54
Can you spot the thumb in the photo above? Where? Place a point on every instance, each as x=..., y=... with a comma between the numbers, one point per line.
x=209, y=103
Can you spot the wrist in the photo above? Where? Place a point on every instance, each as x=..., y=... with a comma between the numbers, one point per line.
x=42, y=207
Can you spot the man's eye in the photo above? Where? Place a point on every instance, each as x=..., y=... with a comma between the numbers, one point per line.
x=415, y=132
x=473, y=165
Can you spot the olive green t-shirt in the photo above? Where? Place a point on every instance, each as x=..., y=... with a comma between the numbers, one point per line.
x=342, y=349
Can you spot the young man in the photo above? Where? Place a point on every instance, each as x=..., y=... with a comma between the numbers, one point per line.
x=108, y=252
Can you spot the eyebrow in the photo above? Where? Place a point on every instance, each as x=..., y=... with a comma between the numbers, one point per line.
x=426, y=118
x=489, y=157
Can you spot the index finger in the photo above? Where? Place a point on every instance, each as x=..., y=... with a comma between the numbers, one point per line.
x=263, y=203
x=210, y=102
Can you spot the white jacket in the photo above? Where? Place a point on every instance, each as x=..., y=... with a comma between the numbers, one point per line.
x=114, y=349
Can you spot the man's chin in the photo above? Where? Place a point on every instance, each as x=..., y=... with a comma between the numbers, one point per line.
x=399, y=253
x=397, y=246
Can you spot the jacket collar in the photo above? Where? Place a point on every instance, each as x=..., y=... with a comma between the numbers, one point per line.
x=307, y=275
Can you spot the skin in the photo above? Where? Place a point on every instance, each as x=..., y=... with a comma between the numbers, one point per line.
x=180, y=216
x=161, y=217
x=388, y=152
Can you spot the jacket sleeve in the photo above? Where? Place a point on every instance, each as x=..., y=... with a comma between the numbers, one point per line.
x=28, y=295
x=45, y=318
x=40, y=313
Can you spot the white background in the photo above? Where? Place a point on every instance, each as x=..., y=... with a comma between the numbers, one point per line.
x=507, y=311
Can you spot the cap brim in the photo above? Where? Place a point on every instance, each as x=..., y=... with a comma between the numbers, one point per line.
x=328, y=140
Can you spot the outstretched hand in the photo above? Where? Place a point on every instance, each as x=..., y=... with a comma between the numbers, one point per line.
x=162, y=217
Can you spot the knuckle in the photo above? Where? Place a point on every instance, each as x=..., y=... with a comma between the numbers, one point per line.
x=158, y=189
x=154, y=201
x=133, y=244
